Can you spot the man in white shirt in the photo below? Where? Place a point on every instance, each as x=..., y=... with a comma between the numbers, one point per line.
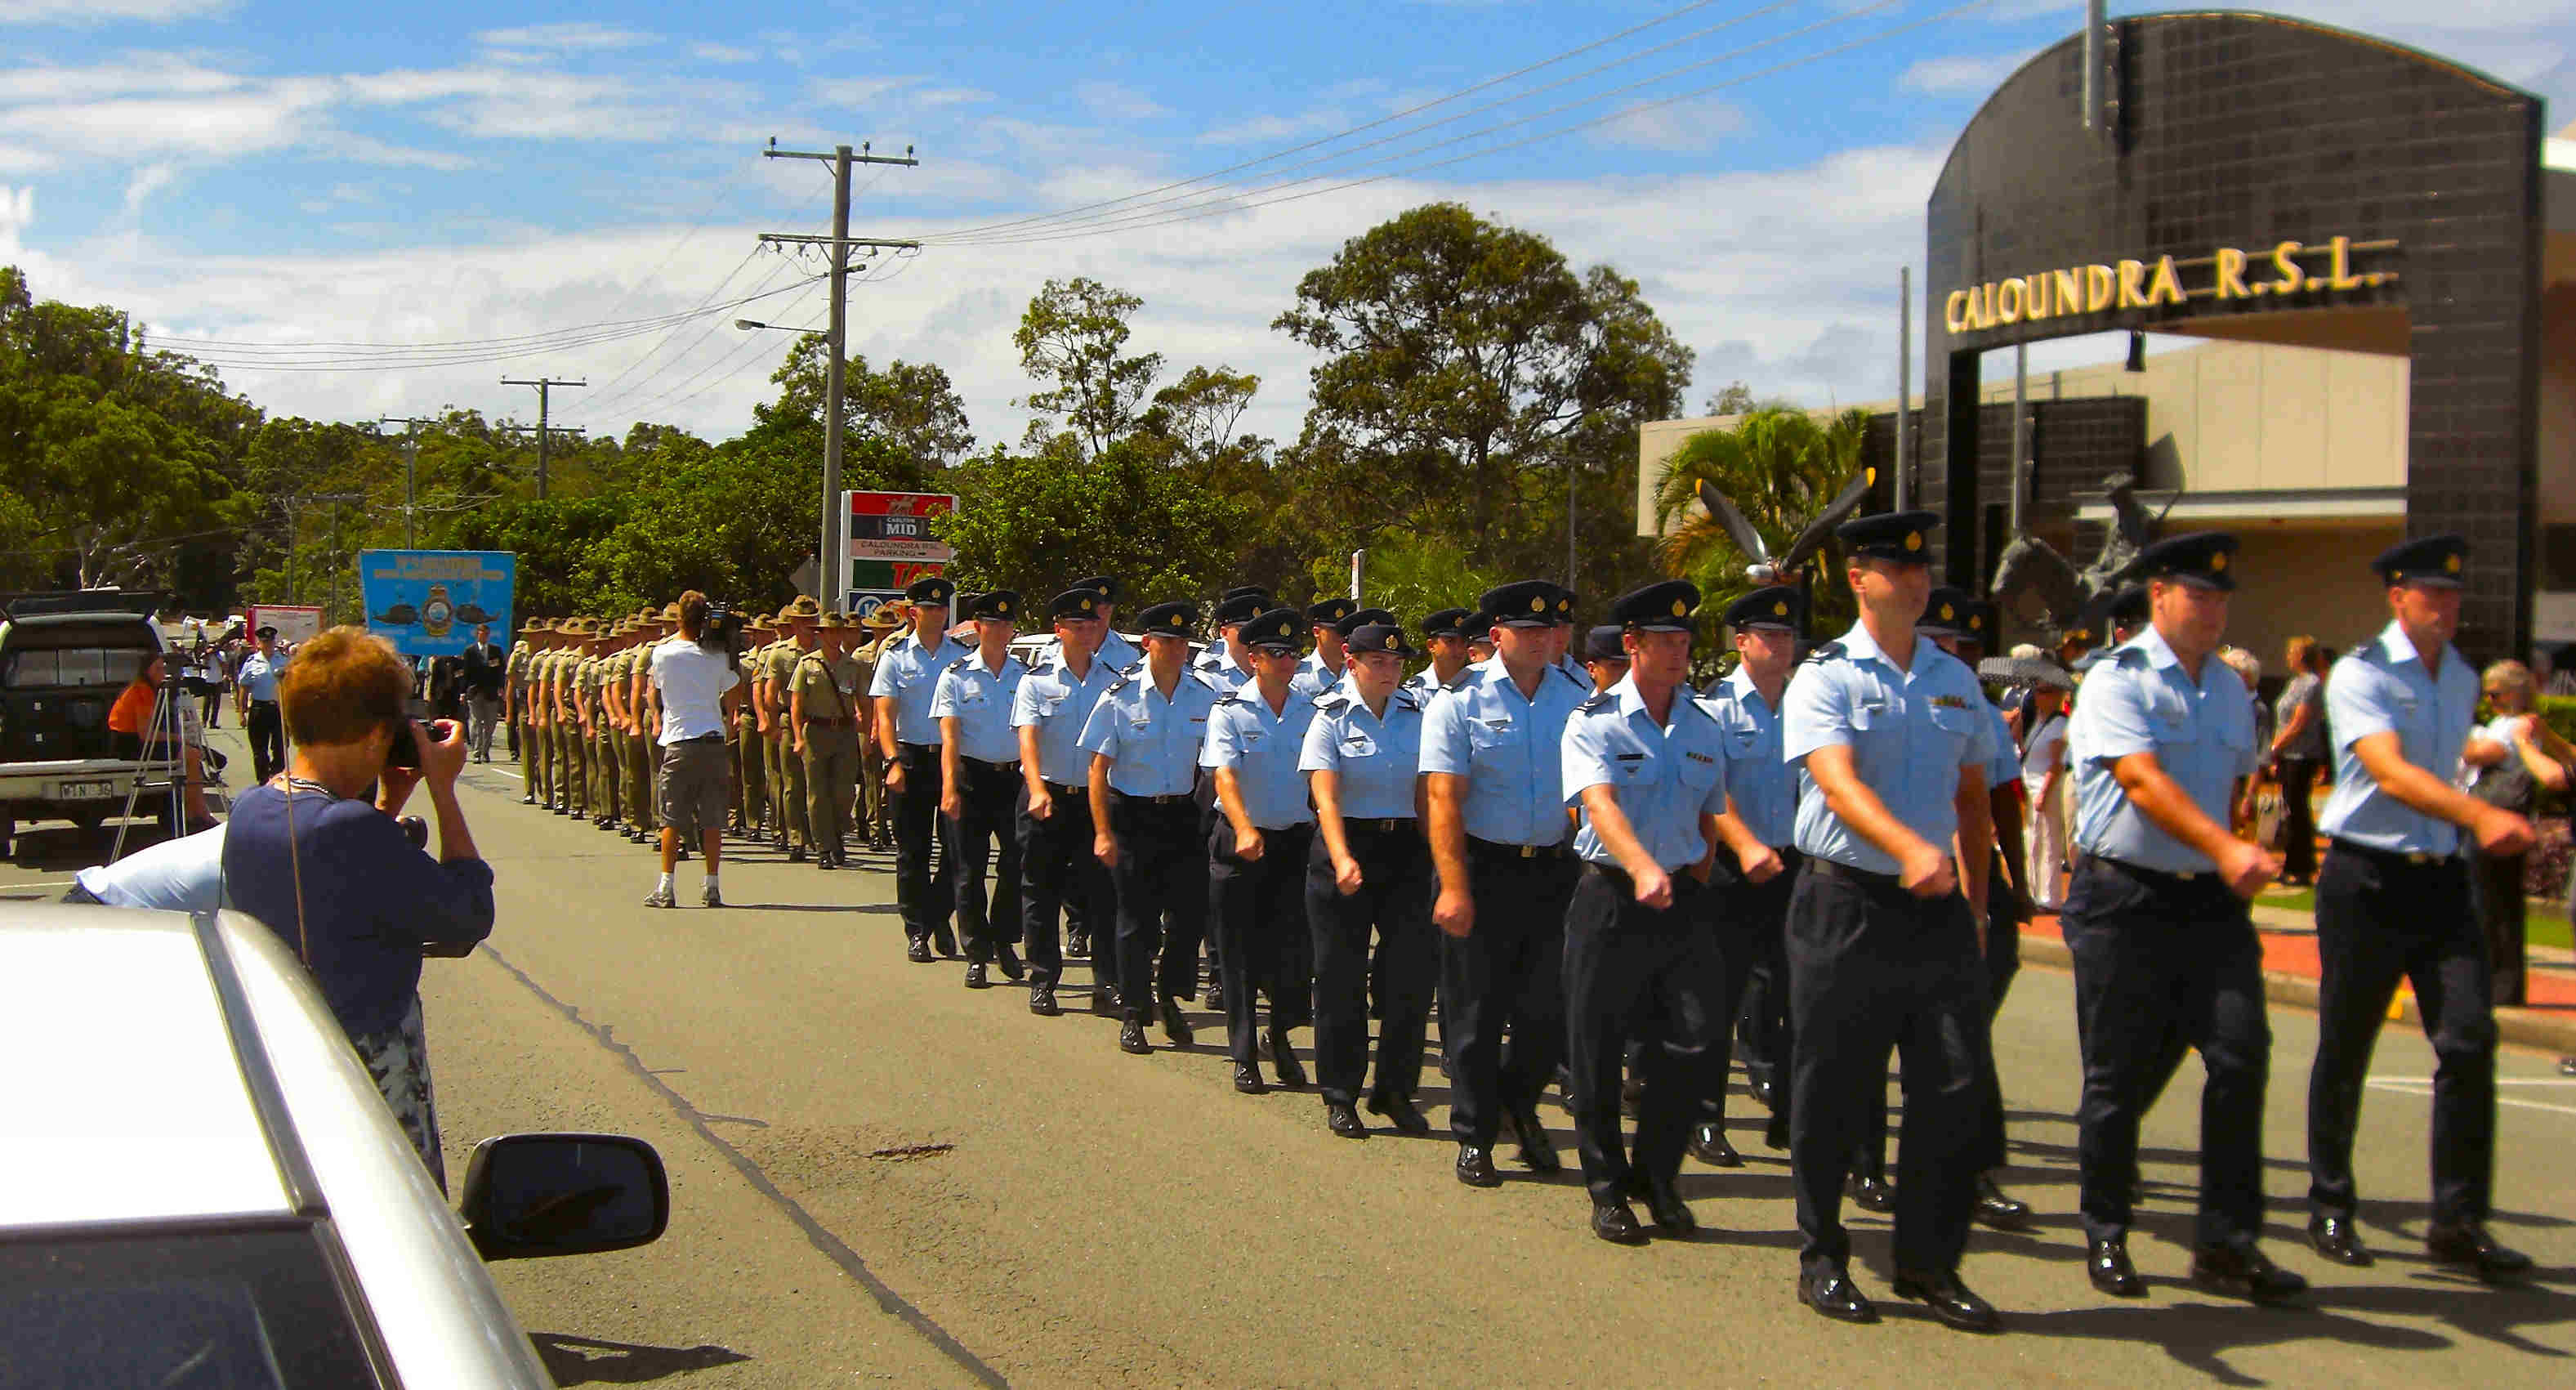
x=694, y=687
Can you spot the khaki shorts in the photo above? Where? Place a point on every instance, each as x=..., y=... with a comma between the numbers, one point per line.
x=691, y=787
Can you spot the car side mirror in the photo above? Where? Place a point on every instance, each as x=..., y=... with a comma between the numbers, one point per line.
x=529, y=1196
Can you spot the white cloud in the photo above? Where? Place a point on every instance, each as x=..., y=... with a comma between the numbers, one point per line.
x=1117, y=101
x=565, y=38
x=157, y=74
x=106, y=11
x=1678, y=127
x=856, y=91
x=1272, y=129
x=723, y=53
x=1968, y=75
x=145, y=182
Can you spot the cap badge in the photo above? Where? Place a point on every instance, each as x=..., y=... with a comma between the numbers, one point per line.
x=1914, y=540
x=1945, y=613
x=1976, y=622
x=2218, y=561
x=1538, y=605
x=1779, y=610
x=2451, y=563
x=1104, y=591
x=1086, y=605
x=1680, y=608
x=1176, y=620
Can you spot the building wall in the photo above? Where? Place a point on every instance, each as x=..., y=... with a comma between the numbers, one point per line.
x=2311, y=581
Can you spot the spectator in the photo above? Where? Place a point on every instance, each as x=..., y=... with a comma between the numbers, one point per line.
x=2045, y=775
x=486, y=667
x=2297, y=747
x=141, y=727
x=447, y=689
x=693, y=685
x=335, y=876
x=2506, y=763
x=255, y=700
x=2249, y=669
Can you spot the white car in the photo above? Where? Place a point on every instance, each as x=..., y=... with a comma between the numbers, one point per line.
x=200, y=1187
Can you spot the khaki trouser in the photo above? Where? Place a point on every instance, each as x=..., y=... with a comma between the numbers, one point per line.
x=534, y=762
x=872, y=797
x=573, y=780
x=641, y=811
x=611, y=779
x=791, y=792
x=831, y=781
x=751, y=774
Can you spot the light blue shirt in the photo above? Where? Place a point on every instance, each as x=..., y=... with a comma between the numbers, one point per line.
x=1218, y=668
x=1909, y=731
x=1312, y=681
x=980, y=700
x=2201, y=733
x=1152, y=743
x=1051, y=699
x=258, y=676
x=1664, y=777
x=1114, y=649
x=1263, y=749
x=2004, y=768
x=911, y=676
x=1377, y=760
x=182, y=875
x=2382, y=687
x=1424, y=684
x=1511, y=750
x=1763, y=784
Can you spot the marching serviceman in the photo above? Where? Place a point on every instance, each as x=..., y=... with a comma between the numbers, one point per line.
x=1057, y=866
x=2393, y=902
x=514, y=706
x=526, y=660
x=572, y=785
x=2158, y=926
x=1494, y=803
x=875, y=630
x=1605, y=661
x=1644, y=762
x=1226, y=664
x=1758, y=860
x=1323, y=666
x=644, y=755
x=1257, y=850
x=1115, y=649
x=1144, y=739
x=1480, y=638
x=823, y=719
x=1444, y=639
x=979, y=761
x=751, y=765
x=908, y=671
x=1562, y=640
x=1120, y=655
x=1883, y=945
x=779, y=670
x=1369, y=870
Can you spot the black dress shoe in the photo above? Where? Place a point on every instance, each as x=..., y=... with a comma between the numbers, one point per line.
x=1341, y=1119
x=1042, y=1002
x=2109, y=1268
x=1131, y=1037
x=1776, y=1132
x=1831, y=1292
x=1247, y=1079
x=527, y=801
x=2567, y=1066
x=1950, y=1301
x=1009, y=960
x=1613, y=1222
x=1765, y=1091
x=1476, y=1167
x=1871, y=1194
x=2469, y=1245
x=1175, y=1026
x=917, y=951
x=1631, y=1091
x=1076, y=944
x=1104, y=1003
x=1708, y=1144
x=1996, y=1210
x=2242, y=1271
x=2338, y=1238
x=824, y=861
x=1400, y=1113
x=1215, y=997
x=1672, y=1214
x=1283, y=1060
x=945, y=940
x=974, y=971
x=1538, y=1151
x=795, y=854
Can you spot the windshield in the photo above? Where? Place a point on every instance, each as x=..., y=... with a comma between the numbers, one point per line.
x=236, y=1308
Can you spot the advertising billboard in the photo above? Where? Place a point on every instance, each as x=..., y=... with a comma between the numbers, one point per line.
x=427, y=602
x=886, y=544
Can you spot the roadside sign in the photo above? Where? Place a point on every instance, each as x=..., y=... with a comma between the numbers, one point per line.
x=428, y=602
x=862, y=602
x=294, y=622
x=886, y=541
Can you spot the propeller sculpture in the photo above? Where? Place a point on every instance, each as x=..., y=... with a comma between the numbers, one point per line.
x=2075, y=602
x=1766, y=569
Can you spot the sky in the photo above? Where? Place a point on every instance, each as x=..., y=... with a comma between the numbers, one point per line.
x=578, y=192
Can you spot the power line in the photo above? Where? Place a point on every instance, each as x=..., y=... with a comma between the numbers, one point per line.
x=676, y=357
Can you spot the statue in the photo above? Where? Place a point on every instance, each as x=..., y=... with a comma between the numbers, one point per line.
x=1766, y=570
x=2072, y=602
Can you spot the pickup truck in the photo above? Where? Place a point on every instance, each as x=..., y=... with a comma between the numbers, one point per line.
x=64, y=658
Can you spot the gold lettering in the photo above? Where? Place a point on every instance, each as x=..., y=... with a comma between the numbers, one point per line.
x=2284, y=260
x=2167, y=286
x=2339, y=274
x=2132, y=295
x=2068, y=291
x=2231, y=274
x=2035, y=304
x=1954, y=311
x=2097, y=288
x=1986, y=305
x=2011, y=298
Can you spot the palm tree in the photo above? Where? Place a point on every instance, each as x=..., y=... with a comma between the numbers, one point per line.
x=1780, y=466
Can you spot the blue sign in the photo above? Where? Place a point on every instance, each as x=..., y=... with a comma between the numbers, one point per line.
x=428, y=602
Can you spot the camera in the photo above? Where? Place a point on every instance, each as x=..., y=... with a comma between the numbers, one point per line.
x=723, y=631
x=402, y=752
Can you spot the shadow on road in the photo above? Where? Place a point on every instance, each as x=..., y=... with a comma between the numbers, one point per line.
x=575, y=1360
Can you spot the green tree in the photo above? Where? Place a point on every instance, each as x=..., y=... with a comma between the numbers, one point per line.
x=1035, y=524
x=1735, y=398
x=1071, y=340
x=910, y=410
x=1780, y=466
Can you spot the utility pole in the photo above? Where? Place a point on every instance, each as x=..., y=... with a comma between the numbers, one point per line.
x=292, y=502
x=829, y=581
x=543, y=385
x=411, y=473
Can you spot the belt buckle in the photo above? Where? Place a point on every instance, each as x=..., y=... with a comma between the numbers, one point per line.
x=1529, y=851
x=2417, y=856
x=2188, y=875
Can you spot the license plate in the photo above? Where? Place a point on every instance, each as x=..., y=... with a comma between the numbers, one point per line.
x=79, y=791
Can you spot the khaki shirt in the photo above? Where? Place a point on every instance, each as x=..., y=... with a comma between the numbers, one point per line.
x=515, y=670
x=831, y=689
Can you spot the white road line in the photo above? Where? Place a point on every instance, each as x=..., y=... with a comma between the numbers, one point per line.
x=2426, y=1093
x=2501, y=1080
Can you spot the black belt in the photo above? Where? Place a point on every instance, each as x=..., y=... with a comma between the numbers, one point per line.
x=702, y=738
x=2191, y=878
x=1167, y=799
x=255, y=704
x=1834, y=868
x=1500, y=850
x=2392, y=858
x=1065, y=788
x=1012, y=766
x=1379, y=825
x=1682, y=879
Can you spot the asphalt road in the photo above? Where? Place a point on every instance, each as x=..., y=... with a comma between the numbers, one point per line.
x=880, y=1176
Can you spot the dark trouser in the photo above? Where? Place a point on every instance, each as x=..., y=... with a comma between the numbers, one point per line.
x=1750, y=920
x=2158, y=957
x=2298, y=821
x=991, y=794
x=2496, y=887
x=2381, y=917
x=925, y=901
x=1394, y=899
x=1161, y=876
x=1506, y=974
x=1260, y=921
x=1631, y=970
x=2001, y=962
x=267, y=732
x=1873, y=967
x=1058, y=870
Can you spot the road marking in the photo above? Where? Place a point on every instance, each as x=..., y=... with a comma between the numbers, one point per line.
x=2425, y=1092
x=2501, y=1080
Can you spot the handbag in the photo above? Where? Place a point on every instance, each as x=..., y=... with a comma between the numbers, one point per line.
x=2271, y=819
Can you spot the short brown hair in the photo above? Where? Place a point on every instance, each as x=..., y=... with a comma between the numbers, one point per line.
x=2303, y=654
x=342, y=686
x=693, y=614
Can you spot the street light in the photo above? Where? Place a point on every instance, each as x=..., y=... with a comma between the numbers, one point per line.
x=826, y=555
x=748, y=324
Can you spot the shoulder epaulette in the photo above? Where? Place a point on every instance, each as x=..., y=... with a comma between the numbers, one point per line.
x=1601, y=701
x=1193, y=675
x=1824, y=651
x=1409, y=701
x=1235, y=698
x=1125, y=679
x=1330, y=703
x=1580, y=683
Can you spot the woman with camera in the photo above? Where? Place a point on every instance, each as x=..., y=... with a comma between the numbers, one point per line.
x=333, y=874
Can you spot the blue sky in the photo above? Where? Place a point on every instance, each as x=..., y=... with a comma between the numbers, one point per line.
x=272, y=173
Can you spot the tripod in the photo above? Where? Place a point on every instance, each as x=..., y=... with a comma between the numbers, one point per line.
x=165, y=751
